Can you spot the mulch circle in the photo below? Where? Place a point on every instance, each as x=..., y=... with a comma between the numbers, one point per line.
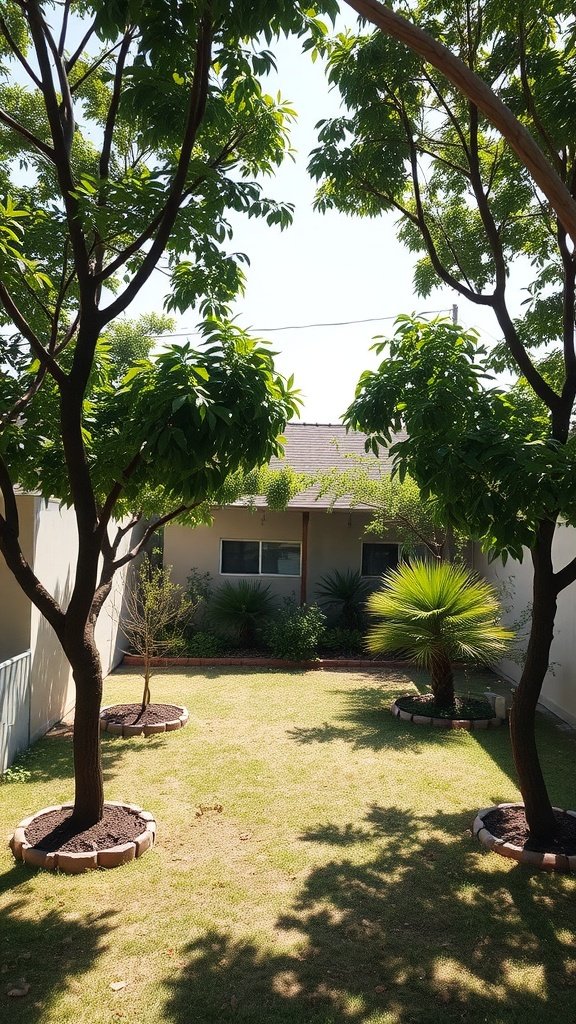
x=417, y=709
x=503, y=829
x=49, y=840
x=130, y=720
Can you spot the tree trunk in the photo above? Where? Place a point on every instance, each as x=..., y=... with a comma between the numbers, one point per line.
x=146, y=696
x=89, y=787
x=442, y=681
x=539, y=814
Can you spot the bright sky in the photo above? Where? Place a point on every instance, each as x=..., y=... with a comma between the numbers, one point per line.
x=325, y=268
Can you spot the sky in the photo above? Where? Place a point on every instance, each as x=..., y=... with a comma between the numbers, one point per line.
x=325, y=269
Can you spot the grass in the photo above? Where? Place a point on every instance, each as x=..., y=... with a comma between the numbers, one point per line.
x=338, y=882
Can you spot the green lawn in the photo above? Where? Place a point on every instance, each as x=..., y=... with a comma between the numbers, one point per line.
x=338, y=884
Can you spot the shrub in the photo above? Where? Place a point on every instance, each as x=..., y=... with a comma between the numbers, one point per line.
x=198, y=590
x=342, y=641
x=346, y=593
x=203, y=644
x=240, y=609
x=295, y=631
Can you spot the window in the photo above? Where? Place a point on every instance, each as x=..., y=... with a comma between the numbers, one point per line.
x=259, y=558
x=241, y=557
x=378, y=558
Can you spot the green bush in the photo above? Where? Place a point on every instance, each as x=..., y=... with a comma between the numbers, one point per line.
x=342, y=641
x=295, y=631
x=198, y=590
x=202, y=644
x=240, y=609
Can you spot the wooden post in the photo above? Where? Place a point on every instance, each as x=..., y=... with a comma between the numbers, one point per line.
x=304, y=561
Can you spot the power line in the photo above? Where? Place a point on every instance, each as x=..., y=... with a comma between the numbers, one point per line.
x=185, y=333
x=306, y=327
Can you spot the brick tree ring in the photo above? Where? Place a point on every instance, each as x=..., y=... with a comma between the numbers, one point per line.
x=129, y=719
x=43, y=841
x=445, y=723
x=515, y=845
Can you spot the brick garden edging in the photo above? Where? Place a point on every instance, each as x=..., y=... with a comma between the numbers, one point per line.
x=76, y=863
x=135, y=659
x=447, y=723
x=119, y=729
x=544, y=861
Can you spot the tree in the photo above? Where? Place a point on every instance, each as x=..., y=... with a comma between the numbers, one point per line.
x=437, y=613
x=128, y=130
x=393, y=503
x=411, y=142
x=154, y=614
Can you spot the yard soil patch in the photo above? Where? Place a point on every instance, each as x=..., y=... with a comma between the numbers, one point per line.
x=55, y=832
x=132, y=714
x=471, y=708
x=509, y=824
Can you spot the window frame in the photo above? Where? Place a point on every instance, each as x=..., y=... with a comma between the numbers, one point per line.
x=259, y=542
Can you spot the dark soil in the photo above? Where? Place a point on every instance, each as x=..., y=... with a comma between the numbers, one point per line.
x=54, y=831
x=132, y=714
x=471, y=708
x=509, y=823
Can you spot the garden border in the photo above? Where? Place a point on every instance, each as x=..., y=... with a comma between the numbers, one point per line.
x=561, y=862
x=72, y=863
x=447, y=723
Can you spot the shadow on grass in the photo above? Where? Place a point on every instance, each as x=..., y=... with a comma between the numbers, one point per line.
x=51, y=759
x=420, y=932
x=365, y=722
x=48, y=952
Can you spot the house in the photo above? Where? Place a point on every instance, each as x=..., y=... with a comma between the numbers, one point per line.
x=292, y=550
x=36, y=685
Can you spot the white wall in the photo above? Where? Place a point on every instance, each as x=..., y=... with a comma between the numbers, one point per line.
x=559, y=690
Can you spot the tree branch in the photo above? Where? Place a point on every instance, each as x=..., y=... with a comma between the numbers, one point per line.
x=196, y=108
x=61, y=150
x=26, y=331
x=15, y=126
x=151, y=530
x=18, y=53
x=480, y=93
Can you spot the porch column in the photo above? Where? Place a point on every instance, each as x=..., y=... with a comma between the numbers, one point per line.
x=304, y=560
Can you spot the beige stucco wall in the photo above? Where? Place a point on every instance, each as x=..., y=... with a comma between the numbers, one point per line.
x=559, y=690
x=49, y=541
x=56, y=547
x=334, y=542
x=14, y=605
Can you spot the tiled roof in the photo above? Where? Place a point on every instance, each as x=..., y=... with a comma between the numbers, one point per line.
x=313, y=447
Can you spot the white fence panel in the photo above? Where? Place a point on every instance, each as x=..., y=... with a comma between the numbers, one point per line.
x=14, y=708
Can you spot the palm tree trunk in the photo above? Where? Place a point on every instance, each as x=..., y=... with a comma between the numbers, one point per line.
x=442, y=681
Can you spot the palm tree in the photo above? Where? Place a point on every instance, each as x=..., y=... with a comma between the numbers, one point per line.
x=436, y=613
